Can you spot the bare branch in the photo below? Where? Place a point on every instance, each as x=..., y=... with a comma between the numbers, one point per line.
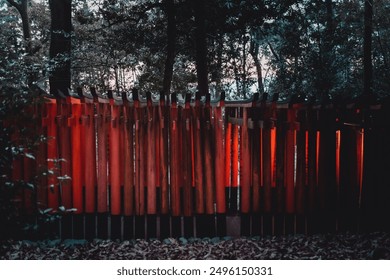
x=16, y=5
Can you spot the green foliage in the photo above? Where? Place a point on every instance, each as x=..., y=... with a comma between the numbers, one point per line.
x=19, y=139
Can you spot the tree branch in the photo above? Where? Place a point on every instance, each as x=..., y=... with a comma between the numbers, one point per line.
x=16, y=5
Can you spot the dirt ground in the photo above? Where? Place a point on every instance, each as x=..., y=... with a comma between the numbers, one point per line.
x=301, y=247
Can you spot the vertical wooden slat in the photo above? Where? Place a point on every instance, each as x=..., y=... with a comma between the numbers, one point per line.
x=90, y=156
x=209, y=170
x=29, y=164
x=228, y=154
x=198, y=147
x=349, y=183
x=163, y=147
x=151, y=158
x=312, y=161
x=175, y=161
x=103, y=116
x=256, y=167
x=139, y=189
x=360, y=160
x=186, y=158
x=290, y=154
x=245, y=177
x=115, y=177
x=28, y=176
x=280, y=160
x=300, y=185
x=52, y=155
x=143, y=159
x=128, y=160
x=76, y=144
x=63, y=113
x=327, y=190
x=235, y=161
x=219, y=159
x=267, y=168
x=41, y=157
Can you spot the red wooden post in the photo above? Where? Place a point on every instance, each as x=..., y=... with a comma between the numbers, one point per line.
x=209, y=171
x=102, y=122
x=17, y=173
x=90, y=154
x=163, y=151
x=301, y=174
x=115, y=176
x=29, y=164
x=245, y=164
x=143, y=158
x=273, y=156
x=267, y=163
x=128, y=158
x=139, y=187
x=198, y=147
x=256, y=166
x=280, y=158
x=63, y=112
x=228, y=154
x=219, y=158
x=77, y=178
x=312, y=156
x=175, y=161
x=187, y=158
x=28, y=175
x=360, y=160
x=41, y=157
x=151, y=158
x=234, y=178
x=290, y=168
x=52, y=154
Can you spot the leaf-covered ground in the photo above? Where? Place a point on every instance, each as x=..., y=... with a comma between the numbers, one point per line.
x=302, y=247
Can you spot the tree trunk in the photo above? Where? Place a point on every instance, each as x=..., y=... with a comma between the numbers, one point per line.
x=254, y=51
x=171, y=32
x=367, y=59
x=201, y=47
x=218, y=70
x=60, y=46
x=244, y=73
x=22, y=8
x=328, y=48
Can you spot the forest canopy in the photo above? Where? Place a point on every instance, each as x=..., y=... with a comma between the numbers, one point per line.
x=311, y=49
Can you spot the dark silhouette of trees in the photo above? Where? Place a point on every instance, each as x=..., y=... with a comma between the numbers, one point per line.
x=60, y=46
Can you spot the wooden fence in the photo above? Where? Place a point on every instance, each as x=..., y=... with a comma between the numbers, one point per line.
x=134, y=168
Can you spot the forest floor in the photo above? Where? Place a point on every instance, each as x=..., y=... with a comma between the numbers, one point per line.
x=301, y=247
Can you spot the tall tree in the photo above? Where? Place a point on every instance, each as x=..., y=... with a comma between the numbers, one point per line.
x=60, y=46
x=171, y=36
x=22, y=7
x=254, y=51
x=201, y=46
x=367, y=58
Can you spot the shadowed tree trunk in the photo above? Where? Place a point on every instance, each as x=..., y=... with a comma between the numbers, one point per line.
x=367, y=59
x=201, y=46
x=22, y=7
x=328, y=48
x=60, y=46
x=254, y=51
x=171, y=32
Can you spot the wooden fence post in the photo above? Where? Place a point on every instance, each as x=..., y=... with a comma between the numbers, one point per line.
x=52, y=155
x=219, y=126
x=128, y=163
x=74, y=121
